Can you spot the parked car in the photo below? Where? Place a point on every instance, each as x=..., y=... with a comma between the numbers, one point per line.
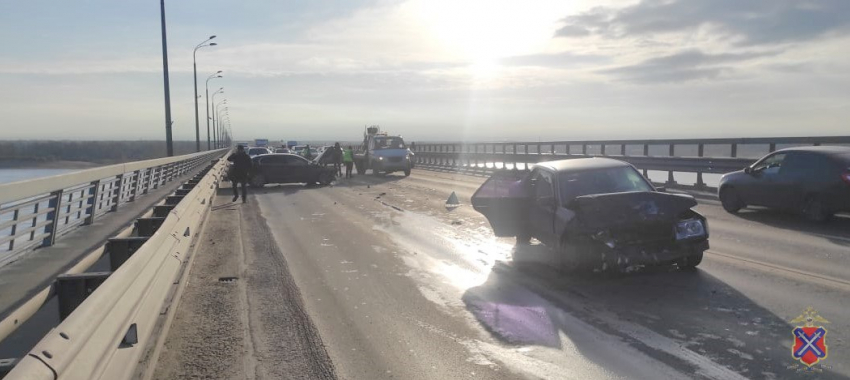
x=814, y=181
x=288, y=168
x=256, y=151
x=594, y=213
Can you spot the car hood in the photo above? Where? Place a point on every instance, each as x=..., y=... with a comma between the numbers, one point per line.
x=630, y=209
x=733, y=176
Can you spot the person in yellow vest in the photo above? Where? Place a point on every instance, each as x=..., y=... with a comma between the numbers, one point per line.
x=348, y=160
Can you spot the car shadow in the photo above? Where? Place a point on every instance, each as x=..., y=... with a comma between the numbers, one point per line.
x=837, y=226
x=533, y=304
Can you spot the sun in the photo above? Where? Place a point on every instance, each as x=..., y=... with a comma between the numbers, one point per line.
x=481, y=32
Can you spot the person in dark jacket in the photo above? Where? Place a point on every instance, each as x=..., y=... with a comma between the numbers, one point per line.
x=337, y=158
x=239, y=172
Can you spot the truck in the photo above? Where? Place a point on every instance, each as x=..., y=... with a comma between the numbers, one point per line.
x=382, y=153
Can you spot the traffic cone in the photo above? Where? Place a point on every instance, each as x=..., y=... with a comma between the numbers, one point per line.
x=452, y=203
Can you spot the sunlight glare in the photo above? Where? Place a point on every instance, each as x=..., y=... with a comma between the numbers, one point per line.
x=481, y=32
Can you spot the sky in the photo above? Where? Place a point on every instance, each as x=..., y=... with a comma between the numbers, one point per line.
x=430, y=70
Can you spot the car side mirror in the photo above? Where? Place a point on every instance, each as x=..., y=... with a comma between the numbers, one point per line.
x=571, y=205
x=661, y=189
x=748, y=170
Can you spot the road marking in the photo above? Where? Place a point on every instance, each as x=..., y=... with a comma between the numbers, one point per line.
x=796, y=273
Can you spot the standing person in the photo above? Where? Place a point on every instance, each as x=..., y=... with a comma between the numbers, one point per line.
x=348, y=160
x=239, y=172
x=307, y=153
x=336, y=156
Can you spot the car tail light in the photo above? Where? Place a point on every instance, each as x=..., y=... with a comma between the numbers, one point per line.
x=846, y=176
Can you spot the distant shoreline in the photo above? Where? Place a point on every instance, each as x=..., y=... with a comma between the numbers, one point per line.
x=59, y=164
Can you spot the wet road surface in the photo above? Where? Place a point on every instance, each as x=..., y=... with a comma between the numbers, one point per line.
x=399, y=287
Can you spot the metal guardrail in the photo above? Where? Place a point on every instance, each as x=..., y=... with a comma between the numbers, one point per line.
x=701, y=157
x=35, y=213
x=111, y=331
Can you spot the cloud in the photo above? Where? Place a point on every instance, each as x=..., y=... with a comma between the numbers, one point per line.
x=684, y=66
x=745, y=23
x=554, y=60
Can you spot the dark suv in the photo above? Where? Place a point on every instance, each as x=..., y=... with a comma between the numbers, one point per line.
x=814, y=181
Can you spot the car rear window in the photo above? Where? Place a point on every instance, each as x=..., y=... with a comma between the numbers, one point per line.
x=258, y=151
x=601, y=181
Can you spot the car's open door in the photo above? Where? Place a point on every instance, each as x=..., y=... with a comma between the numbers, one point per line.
x=503, y=199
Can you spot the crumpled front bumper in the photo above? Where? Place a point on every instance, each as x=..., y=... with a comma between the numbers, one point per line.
x=648, y=254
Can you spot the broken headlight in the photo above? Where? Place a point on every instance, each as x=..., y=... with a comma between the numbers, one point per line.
x=689, y=228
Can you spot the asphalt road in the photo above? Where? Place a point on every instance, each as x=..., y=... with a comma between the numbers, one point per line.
x=399, y=287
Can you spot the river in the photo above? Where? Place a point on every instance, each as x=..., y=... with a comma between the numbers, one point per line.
x=14, y=175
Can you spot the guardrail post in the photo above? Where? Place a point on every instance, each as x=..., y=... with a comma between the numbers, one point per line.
x=700, y=183
x=504, y=155
x=136, y=176
x=772, y=147
x=14, y=228
x=584, y=149
x=734, y=152
x=567, y=149
x=514, y=153
x=670, y=180
x=116, y=192
x=54, y=203
x=525, y=158
x=552, y=149
x=94, y=192
x=623, y=150
x=73, y=289
x=602, y=149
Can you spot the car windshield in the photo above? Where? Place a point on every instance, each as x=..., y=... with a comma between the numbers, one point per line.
x=389, y=143
x=601, y=181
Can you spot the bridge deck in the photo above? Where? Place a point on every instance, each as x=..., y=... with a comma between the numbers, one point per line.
x=425, y=293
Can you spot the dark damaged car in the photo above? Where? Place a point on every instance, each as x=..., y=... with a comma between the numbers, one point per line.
x=594, y=213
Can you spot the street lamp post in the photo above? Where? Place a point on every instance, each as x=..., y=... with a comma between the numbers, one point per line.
x=215, y=131
x=195, y=72
x=207, y=90
x=224, y=120
x=217, y=121
x=169, y=145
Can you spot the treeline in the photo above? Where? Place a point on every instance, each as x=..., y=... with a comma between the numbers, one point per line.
x=99, y=152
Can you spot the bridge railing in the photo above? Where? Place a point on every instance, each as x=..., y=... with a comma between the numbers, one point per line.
x=697, y=156
x=117, y=326
x=35, y=213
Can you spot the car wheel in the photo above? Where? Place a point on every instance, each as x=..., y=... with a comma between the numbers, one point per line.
x=690, y=262
x=573, y=258
x=407, y=172
x=326, y=178
x=815, y=210
x=523, y=239
x=258, y=181
x=731, y=201
x=359, y=167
